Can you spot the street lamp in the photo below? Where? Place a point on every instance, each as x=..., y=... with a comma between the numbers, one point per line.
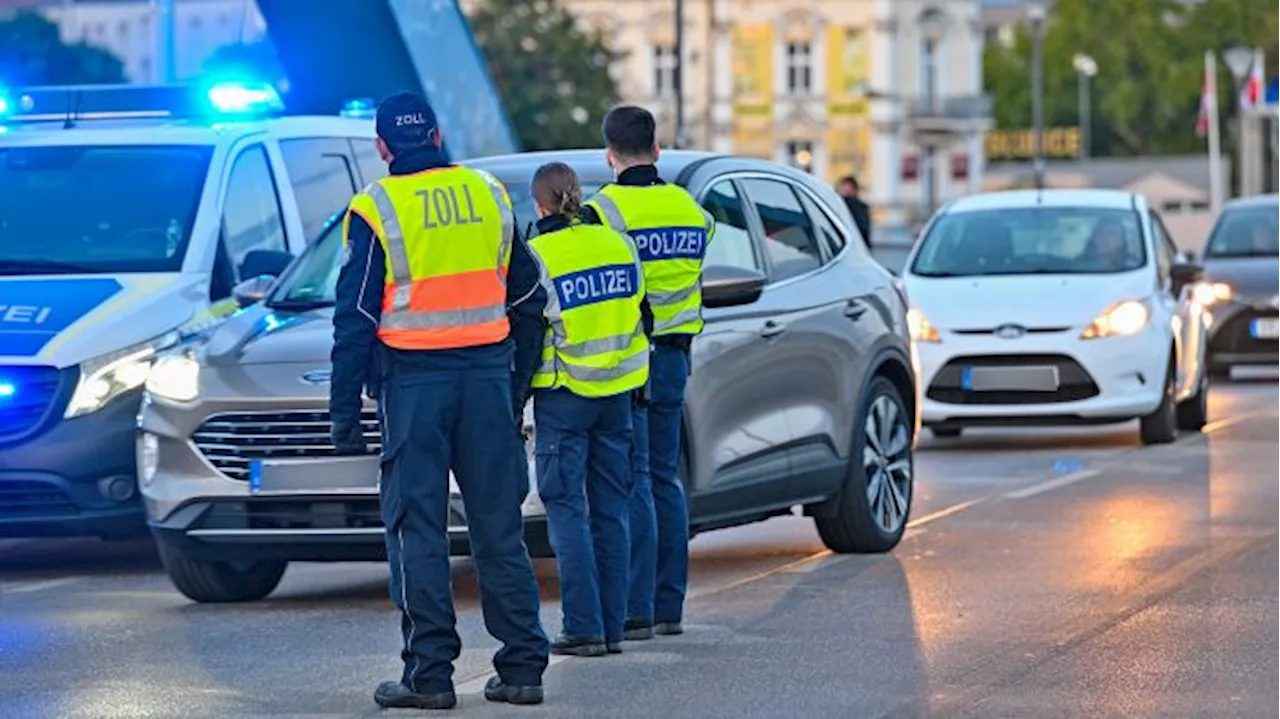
x=1035, y=14
x=1086, y=68
x=933, y=27
x=678, y=79
x=1239, y=60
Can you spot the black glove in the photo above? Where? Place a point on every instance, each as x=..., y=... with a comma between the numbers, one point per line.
x=348, y=439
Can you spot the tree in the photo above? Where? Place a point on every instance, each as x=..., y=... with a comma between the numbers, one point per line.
x=553, y=75
x=33, y=53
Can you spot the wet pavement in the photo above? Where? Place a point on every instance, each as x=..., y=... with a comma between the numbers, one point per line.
x=1046, y=573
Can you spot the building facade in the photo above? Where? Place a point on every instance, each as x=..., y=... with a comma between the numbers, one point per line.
x=887, y=90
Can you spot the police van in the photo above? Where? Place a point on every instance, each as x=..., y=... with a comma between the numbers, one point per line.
x=130, y=218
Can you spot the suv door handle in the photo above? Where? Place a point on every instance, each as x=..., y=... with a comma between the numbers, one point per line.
x=771, y=329
x=855, y=309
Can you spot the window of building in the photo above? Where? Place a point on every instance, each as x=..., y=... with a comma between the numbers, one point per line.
x=800, y=155
x=731, y=246
x=322, y=178
x=799, y=68
x=789, y=236
x=664, y=70
x=251, y=211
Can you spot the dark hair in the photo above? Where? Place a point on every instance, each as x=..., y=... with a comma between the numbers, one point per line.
x=848, y=179
x=629, y=131
x=556, y=189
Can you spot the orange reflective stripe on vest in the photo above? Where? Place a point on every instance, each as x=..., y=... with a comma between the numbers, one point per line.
x=447, y=238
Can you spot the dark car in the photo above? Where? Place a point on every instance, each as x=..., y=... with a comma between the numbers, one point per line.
x=802, y=394
x=1242, y=275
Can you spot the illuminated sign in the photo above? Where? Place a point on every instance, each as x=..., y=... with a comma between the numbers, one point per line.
x=1059, y=142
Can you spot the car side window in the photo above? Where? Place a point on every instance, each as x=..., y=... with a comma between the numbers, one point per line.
x=251, y=211
x=1166, y=253
x=827, y=231
x=789, y=233
x=731, y=245
x=369, y=161
x=322, y=178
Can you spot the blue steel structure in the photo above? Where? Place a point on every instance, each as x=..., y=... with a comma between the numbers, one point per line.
x=339, y=49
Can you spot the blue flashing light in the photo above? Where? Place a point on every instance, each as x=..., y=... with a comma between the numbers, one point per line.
x=362, y=108
x=244, y=98
x=7, y=390
x=6, y=105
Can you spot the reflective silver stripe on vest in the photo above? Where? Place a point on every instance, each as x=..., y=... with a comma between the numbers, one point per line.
x=634, y=363
x=406, y=320
x=674, y=297
x=690, y=315
x=590, y=348
x=612, y=215
x=396, y=250
x=505, y=212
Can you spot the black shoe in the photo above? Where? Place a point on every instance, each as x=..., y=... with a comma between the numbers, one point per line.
x=579, y=646
x=613, y=647
x=638, y=630
x=668, y=629
x=496, y=691
x=394, y=695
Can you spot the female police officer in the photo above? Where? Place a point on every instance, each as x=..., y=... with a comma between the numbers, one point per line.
x=595, y=355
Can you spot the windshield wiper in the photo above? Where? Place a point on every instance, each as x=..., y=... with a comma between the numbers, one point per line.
x=36, y=267
x=939, y=273
x=299, y=305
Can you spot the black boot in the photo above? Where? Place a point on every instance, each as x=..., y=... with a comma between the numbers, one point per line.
x=496, y=691
x=579, y=646
x=394, y=695
x=638, y=630
x=668, y=628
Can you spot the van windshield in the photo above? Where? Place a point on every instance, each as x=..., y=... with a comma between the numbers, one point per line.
x=98, y=209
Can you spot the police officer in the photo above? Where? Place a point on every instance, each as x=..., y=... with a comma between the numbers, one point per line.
x=671, y=232
x=595, y=356
x=431, y=259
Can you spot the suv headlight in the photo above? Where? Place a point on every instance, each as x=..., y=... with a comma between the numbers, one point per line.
x=1210, y=293
x=1119, y=320
x=105, y=378
x=175, y=377
x=922, y=330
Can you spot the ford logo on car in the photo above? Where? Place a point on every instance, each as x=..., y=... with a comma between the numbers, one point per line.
x=1010, y=332
x=317, y=376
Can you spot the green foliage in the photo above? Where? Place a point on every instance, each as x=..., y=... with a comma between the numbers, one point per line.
x=553, y=75
x=32, y=53
x=1150, y=56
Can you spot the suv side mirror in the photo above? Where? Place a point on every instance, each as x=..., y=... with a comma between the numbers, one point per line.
x=1185, y=273
x=271, y=263
x=724, y=286
x=252, y=290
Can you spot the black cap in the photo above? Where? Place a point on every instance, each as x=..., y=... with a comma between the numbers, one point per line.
x=406, y=119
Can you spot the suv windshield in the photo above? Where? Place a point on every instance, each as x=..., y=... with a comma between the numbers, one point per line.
x=98, y=209
x=312, y=280
x=1245, y=232
x=1039, y=240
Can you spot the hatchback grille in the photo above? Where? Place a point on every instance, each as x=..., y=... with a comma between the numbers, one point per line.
x=21, y=498
x=231, y=441
x=27, y=400
x=1074, y=382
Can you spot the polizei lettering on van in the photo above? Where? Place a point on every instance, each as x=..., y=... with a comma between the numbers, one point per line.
x=599, y=284
x=671, y=243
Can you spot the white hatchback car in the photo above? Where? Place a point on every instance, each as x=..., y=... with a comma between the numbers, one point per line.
x=1056, y=307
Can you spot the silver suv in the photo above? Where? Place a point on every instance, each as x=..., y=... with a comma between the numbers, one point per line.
x=803, y=393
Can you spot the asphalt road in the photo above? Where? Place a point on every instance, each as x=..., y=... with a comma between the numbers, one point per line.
x=1046, y=574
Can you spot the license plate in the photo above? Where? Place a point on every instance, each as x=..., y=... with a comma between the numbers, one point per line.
x=332, y=475
x=1265, y=328
x=1010, y=379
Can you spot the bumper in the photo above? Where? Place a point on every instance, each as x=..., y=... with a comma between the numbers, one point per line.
x=1231, y=340
x=76, y=478
x=1106, y=380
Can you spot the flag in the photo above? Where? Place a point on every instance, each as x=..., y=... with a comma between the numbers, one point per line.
x=1251, y=93
x=1208, y=99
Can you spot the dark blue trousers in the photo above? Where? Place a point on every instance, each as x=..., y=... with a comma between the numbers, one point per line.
x=659, y=509
x=434, y=420
x=584, y=479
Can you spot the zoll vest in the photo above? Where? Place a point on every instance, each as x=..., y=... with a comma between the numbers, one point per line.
x=671, y=232
x=446, y=234
x=595, y=343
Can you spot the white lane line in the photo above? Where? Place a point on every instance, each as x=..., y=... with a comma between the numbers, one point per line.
x=953, y=509
x=1231, y=421
x=23, y=587
x=1051, y=484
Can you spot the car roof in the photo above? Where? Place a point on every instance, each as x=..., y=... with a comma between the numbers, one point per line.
x=589, y=164
x=182, y=132
x=1253, y=201
x=1112, y=199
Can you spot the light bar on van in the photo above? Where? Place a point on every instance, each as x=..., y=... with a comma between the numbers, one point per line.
x=244, y=98
x=362, y=108
x=6, y=103
x=212, y=101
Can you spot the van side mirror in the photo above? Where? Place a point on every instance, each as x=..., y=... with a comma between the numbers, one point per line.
x=724, y=286
x=252, y=290
x=271, y=263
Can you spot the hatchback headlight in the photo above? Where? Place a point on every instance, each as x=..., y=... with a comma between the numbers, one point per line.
x=105, y=378
x=922, y=330
x=1119, y=320
x=175, y=377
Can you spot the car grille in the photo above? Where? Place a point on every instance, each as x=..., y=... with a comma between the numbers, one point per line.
x=29, y=398
x=231, y=441
x=22, y=498
x=1234, y=335
x=1074, y=382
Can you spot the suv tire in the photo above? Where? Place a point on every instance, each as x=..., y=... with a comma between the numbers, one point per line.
x=881, y=470
x=215, y=582
x=1161, y=426
x=1193, y=412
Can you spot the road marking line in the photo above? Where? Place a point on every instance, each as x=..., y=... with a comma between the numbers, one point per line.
x=23, y=587
x=1231, y=421
x=953, y=509
x=1051, y=484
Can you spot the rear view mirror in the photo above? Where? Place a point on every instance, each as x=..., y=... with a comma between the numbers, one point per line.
x=271, y=263
x=724, y=286
x=1185, y=273
x=252, y=290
